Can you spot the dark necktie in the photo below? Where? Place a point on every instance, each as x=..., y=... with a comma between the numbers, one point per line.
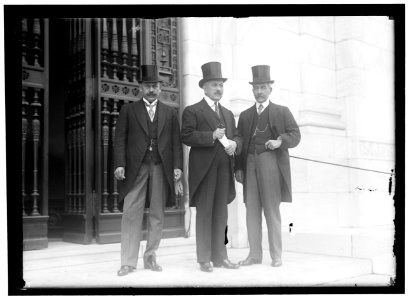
x=216, y=109
x=260, y=109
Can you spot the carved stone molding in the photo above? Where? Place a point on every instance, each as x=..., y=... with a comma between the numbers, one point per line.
x=321, y=111
x=164, y=50
x=170, y=98
x=375, y=149
x=371, y=149
x=119, y=90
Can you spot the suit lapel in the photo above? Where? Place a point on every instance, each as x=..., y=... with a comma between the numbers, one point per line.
x=272, y=114
x=161, y=117
x=140, y=115
x=251, y=119
x=209, y=115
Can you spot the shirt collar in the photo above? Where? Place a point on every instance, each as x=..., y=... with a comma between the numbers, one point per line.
x=149, y=104
x=265, y=104
x=210, y=102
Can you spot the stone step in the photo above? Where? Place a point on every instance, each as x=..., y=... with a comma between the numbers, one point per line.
x=351, y=243
x=180, y=269
x=60, y=254
x=375, y=244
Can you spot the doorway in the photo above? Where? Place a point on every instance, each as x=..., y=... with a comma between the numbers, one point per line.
x=57, y=129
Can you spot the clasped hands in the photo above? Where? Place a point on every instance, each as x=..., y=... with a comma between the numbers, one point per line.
x=231, y=147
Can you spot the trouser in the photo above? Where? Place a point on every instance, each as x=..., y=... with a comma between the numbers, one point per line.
x=211, y=210
x=133, y=212
x=263, y=194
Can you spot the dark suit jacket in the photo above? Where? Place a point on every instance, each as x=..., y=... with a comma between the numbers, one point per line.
x=132, y=142
x=198, y=123
x=282, y=124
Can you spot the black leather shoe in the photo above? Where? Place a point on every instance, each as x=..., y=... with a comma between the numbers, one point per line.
x=206, y=267
x=225, y=264
x=150, y=263
x=125, y=270
x=277, y=262
x=249, y=261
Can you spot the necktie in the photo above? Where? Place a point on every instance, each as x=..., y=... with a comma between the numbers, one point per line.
x=151, y=112
x=260, y=109
x=216, y=109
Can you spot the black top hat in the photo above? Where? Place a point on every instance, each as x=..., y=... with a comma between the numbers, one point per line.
x=211, y=71
x=261, y=74
x=150, y=73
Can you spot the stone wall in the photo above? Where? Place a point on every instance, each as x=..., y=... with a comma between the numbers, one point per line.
x=336, y=76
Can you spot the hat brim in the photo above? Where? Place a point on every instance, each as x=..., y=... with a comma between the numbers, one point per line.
x=204, y=80
x=261, y=82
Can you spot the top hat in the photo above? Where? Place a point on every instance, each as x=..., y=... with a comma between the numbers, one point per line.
x=150, y=73
x=211, y=71
x=261, y=74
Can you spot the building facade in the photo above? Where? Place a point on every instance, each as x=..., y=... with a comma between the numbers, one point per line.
x=336, y=74
x=77, y=73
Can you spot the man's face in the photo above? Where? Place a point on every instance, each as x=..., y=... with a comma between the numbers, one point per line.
x=262, y=91
x=213, y=89
x=151, y=90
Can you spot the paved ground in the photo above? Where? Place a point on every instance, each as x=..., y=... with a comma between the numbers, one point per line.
x=66, y=265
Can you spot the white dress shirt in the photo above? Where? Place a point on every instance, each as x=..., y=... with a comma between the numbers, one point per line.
x=225, y=141
x=211, y=103
x=265, y=104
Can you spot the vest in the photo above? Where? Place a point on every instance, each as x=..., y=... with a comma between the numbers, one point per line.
x=152, y=153
x=261, y=126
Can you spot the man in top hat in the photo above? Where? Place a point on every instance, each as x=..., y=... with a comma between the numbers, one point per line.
x=263, y=167
x=148, y=149
x=210, y=130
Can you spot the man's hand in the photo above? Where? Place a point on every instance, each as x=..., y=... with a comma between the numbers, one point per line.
x=120, y=173
x=239, y=176
x=231, y=148
x=273, y=144
x=178, y=188
x=177, y=174
x=218, y=133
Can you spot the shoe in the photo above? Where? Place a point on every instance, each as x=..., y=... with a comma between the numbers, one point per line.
x=276, y=262
x=249, y=261
x=225, y=264
x=150, y=263
x=125, y=270
x=206, y=267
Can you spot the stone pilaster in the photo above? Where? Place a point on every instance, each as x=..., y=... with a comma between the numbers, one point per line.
x=364, y=57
